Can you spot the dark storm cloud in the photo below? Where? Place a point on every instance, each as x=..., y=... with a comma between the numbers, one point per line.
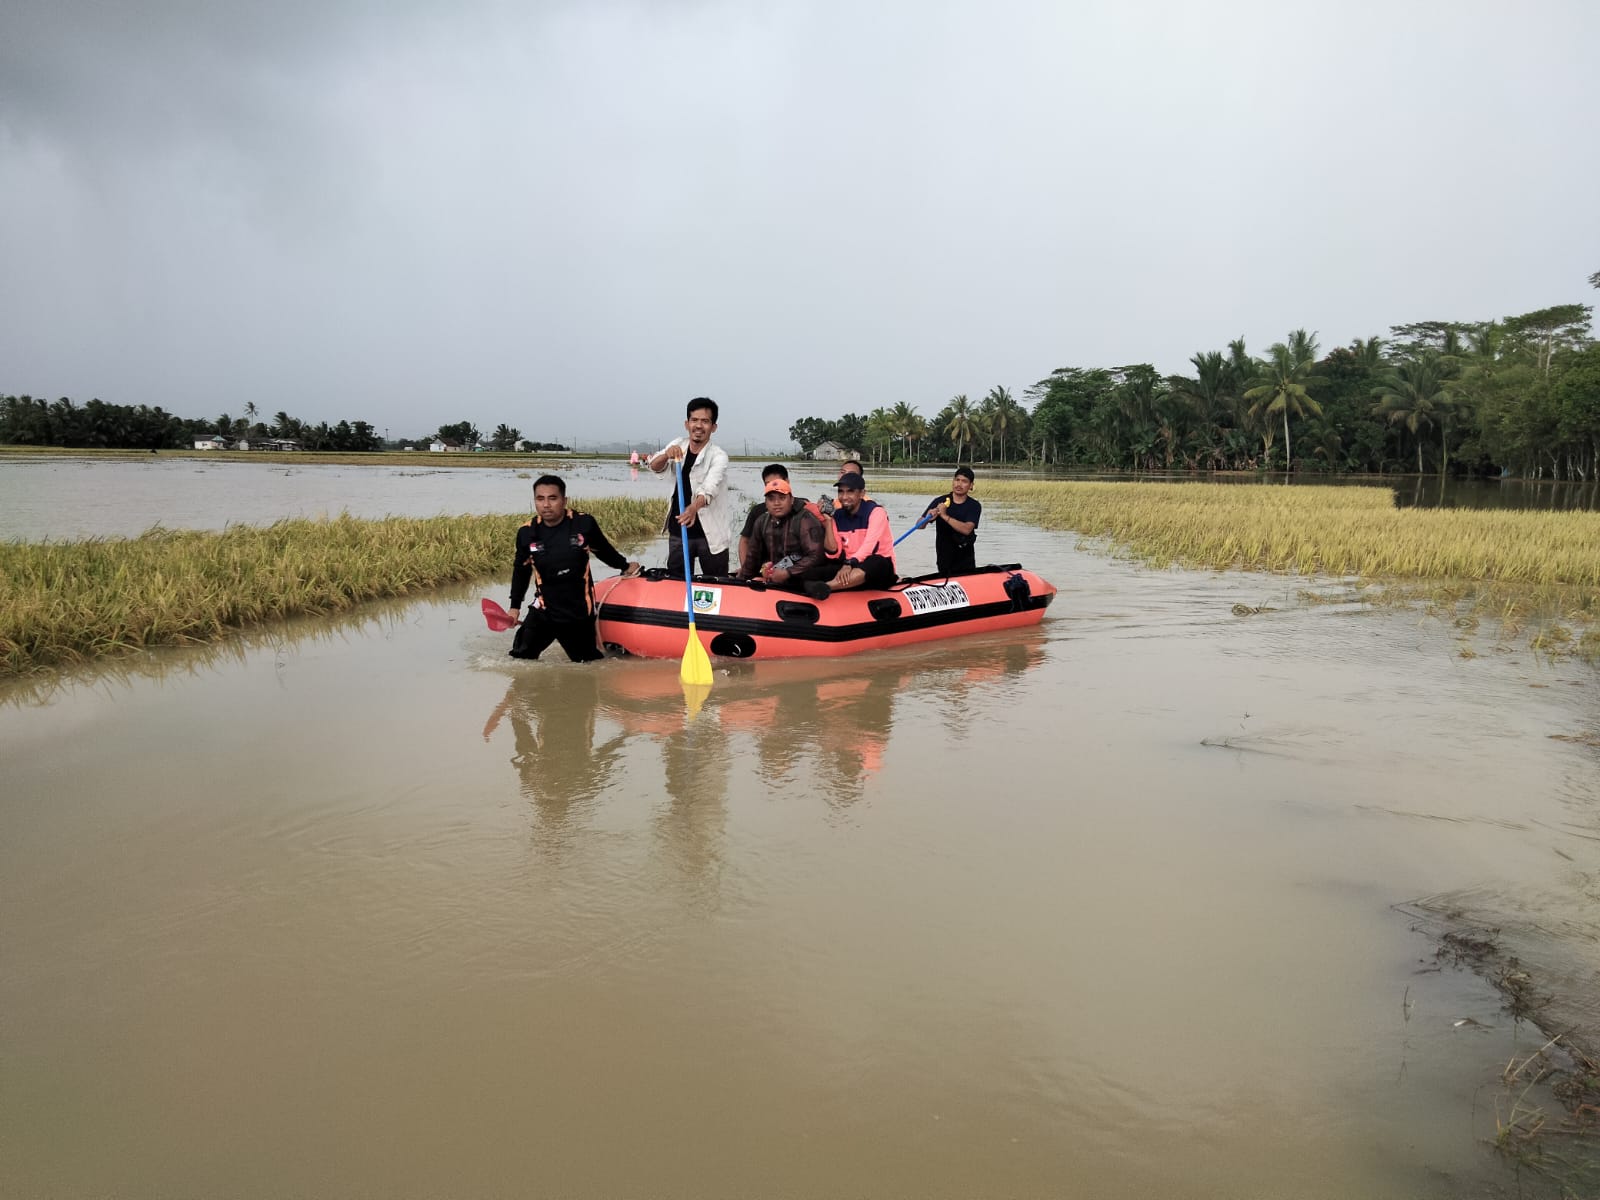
x=571, y=216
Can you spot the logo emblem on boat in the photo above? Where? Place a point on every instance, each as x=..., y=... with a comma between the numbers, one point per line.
x=707, y=600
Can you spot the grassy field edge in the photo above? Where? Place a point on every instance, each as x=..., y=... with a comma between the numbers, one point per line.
x=68, y=602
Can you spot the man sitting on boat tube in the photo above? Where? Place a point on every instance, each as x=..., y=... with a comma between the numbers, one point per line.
x=787, y=543
x=865, y=542
x=748, y=547
x=553, y=554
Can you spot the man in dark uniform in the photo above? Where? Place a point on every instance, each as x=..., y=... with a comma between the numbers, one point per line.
x=955, y=519
x=553, y=553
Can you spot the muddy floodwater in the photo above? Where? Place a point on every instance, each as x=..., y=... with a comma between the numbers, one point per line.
x=1123, y=906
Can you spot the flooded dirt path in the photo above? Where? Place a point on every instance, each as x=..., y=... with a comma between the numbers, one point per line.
x=1102, y=910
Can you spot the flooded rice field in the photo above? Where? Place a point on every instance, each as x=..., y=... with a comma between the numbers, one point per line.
x=1138, y=903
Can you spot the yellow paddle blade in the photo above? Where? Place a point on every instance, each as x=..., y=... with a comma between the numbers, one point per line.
x=696, y=667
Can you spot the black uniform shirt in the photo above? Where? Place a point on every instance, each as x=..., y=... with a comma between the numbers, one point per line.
x=946, y=541
x=556, y=559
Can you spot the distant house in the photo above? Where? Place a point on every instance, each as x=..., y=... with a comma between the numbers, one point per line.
x=278, y=443
x=834, y=451
x=439, y=446
x=213, y=441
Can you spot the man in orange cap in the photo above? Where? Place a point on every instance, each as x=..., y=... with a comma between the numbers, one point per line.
x=786, y=542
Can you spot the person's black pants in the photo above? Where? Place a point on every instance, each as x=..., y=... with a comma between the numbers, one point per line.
x=958, y=561
x=699, y=552
x=537, y=631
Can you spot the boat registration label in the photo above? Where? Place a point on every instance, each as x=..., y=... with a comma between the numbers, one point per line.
x=707, y=601
x=936, y=597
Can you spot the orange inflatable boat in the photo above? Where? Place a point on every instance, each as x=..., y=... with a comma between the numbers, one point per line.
x=739, y=619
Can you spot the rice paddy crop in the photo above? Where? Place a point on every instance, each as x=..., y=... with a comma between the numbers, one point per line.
x=64, y=602
x=1516, y=566
x=1339, y=531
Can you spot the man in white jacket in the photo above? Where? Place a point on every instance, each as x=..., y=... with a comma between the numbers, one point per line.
x=707, y=513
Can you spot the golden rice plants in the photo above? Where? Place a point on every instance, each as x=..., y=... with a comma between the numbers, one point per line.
x=69, y=601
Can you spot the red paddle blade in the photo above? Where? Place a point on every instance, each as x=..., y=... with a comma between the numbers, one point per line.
x=498, y=618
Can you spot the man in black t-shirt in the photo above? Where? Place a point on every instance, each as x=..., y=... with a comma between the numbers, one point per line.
x=955, y=519
x=553, y=554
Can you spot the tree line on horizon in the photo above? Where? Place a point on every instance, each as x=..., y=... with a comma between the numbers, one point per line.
x=1516, y=396
x=33, y=421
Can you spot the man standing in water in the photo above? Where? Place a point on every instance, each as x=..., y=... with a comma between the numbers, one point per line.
x=553, y=553
x=706, y=513
x=955, y=516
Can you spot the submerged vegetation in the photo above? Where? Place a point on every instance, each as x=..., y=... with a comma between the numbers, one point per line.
x=66, y=602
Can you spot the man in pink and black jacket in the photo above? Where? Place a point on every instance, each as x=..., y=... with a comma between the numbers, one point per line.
x=865, y=543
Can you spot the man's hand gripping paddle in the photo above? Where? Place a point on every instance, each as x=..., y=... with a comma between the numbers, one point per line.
x=696, y=669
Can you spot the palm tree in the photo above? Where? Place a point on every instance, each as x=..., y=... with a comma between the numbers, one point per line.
x=905, y=423
x=1208, y=396
x=1003, y=412
x=919, y=430
x=1326, y=442
x=1368, y=352
x=961, y=425
x=1416, y=393
x=1285, y=384
x=880, y=430
x=982, y=427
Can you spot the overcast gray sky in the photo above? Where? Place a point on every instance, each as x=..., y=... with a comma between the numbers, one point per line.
x=573, y=216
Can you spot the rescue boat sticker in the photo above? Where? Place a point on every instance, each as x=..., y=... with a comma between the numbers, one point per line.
x=707, y=601
x=936, y=597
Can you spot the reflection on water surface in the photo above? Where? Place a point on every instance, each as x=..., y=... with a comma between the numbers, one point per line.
x=1104, y=910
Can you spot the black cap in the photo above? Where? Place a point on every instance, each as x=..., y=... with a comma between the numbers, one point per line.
x=853, y=481
x=967, y=471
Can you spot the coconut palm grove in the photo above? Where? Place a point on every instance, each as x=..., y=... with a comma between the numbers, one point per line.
x=1518, y=396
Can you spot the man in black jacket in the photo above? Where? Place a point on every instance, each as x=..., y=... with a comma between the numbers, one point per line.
x=553, y=553
x=787, y=542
